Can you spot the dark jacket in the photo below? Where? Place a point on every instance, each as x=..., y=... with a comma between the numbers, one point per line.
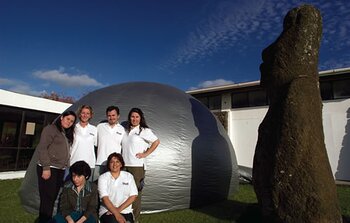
x=53, y=148
x=88, y=204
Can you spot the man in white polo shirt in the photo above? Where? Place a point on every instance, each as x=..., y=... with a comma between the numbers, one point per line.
x=109, y=138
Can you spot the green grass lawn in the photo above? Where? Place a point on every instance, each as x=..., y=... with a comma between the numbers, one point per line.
x=240, y=208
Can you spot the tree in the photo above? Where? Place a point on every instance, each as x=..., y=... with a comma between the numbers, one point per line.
x=58, y=97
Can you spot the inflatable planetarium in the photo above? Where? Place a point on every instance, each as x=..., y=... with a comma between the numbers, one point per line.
x=195, y=163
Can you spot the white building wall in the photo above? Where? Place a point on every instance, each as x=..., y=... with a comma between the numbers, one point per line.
x=244, y=124
x=336, y=125
x=244, y=132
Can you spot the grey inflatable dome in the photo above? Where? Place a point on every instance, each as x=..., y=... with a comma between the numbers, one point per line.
x=195, y=163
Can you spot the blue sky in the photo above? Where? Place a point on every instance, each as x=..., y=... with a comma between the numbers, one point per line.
x=73, y=47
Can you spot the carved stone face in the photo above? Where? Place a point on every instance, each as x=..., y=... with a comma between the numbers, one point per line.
x=295, y=52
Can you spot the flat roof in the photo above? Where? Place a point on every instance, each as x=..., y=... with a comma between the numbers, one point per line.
x=257, y=82
x=18, y=100
x=224, y=87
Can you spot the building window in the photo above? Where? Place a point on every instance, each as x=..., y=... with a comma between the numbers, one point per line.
x=211, y=102
x=10, y=122
x=341, y=89
x=240, y=100
x=326, y=90
x=33, y=125
x=214, y=102
x=257, y=98
x=336, y=89
x=20, y=131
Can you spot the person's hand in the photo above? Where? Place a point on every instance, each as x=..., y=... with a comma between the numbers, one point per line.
x=140, y=155
x=46, y=174
x=69, y=219
x=81, y=220
x=120, y=218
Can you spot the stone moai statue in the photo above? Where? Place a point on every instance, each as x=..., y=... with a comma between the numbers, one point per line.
x=292, y=177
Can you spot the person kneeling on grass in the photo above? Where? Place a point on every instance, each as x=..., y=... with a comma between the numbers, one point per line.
x=117, y=190
x=79, y=197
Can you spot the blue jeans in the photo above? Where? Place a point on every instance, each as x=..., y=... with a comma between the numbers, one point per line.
x=75, y=215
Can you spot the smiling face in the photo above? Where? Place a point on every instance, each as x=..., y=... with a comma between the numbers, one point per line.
x=112, y=117
x=115, y=165
x=67, y=121
x=135, y=119
x=85, y=115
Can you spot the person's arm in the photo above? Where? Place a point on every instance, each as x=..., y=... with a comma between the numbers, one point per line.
x=150, y=150
x=126, y=203
x=91, y=204
x=103, y=193
x=95, y=137
x=65, y=207
x=81, y=220
x=109, y=205
x=46, y=139
x=133, y=192
x=69, y=219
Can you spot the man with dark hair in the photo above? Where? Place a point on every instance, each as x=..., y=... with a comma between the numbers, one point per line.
x=109, y=137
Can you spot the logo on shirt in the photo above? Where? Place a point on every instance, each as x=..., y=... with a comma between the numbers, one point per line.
x=119, y=133
x=92, y=134
x=125, y=183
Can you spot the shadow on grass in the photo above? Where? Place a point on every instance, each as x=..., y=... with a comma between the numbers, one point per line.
x=233, y=210
x=239, y=212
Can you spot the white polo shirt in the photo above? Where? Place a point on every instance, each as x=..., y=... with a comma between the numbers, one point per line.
x=85, y=138
x=117, y=190
x=136, y=142
x=108, y=141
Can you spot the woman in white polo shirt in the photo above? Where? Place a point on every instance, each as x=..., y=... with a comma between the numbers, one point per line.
x=138, y=142
x=117, y=190
x=85, y=139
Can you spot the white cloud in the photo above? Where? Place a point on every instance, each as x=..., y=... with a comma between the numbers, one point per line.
x=228, y=26
x=6, y=82
x=64, y=79
x=212, y=83
x=19, y=87
x=335, y=63
x=336, y=24
x=253, y=23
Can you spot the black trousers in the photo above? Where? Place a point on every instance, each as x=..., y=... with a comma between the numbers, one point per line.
x=111, y=219
x=48, y=191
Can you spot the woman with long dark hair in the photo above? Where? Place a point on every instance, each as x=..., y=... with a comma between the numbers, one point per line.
x=138, y=143
x=53, y=150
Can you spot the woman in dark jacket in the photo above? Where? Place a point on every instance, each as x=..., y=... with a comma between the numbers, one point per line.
x=53, y=150
x=79, y=197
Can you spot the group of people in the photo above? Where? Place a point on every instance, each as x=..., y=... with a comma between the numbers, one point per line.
x=115, y=173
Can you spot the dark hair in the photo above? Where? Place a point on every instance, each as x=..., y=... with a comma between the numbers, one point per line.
x=118, y=156
x=111, y=108
x=80, y=168
x=142, y=120
x=85, y=107
x=70, y=131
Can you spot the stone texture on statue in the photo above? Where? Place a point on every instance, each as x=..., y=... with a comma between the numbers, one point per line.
x=291, y=173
